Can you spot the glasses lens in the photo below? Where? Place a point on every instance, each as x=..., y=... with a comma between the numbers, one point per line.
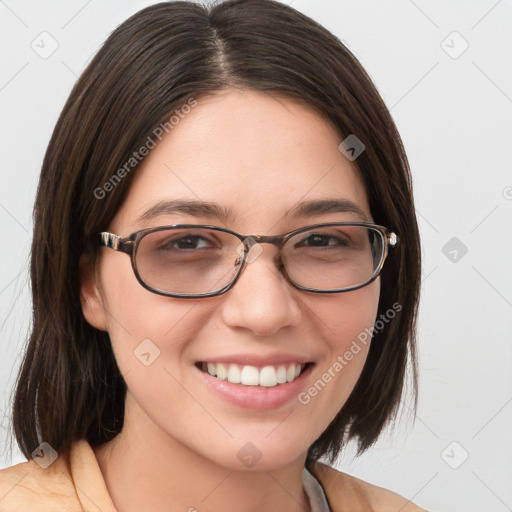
x=196, y=261
x=334, y=257
x=187, y=261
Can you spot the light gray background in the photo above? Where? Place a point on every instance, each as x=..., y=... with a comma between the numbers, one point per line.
x=454, y=114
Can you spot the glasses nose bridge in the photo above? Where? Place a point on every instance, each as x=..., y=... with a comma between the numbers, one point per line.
x=252, y=240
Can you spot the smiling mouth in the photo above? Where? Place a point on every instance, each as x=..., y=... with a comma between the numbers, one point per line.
x=267, y=376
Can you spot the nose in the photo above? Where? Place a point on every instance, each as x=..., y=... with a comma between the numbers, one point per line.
x=261, y=301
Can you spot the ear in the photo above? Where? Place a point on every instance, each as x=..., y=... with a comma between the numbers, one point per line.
x=90, y=297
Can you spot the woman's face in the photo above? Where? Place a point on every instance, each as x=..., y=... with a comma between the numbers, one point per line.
x=259, y=158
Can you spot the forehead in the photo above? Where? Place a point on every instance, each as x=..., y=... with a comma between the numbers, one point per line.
x=256, y=155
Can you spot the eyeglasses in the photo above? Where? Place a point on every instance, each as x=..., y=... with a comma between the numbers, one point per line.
x=194, y=261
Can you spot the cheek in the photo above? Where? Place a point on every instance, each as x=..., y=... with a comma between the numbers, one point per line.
x=344, y=316
x=150, y=336
x=145, y=328
x=345, y=324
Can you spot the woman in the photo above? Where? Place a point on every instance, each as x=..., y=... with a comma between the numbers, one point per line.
x=264, y=310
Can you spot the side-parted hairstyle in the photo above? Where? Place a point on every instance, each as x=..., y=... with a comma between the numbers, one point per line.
x=69, y=386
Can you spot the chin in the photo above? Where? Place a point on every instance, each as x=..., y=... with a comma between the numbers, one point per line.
x=260, y=454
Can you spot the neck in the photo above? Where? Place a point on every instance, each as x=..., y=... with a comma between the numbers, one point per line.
x=144, y=468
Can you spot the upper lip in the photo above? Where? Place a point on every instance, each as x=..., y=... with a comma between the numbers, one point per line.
x=257, y=359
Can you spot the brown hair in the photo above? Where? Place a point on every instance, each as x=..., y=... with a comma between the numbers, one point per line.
x=69, y=386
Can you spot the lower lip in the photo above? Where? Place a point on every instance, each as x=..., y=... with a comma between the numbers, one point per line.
x=256, y=397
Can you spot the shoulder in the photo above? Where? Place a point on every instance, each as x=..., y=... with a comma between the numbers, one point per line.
x=29, y=487
x=347, y=493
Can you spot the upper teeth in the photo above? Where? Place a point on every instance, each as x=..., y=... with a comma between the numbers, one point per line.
x=268, y=376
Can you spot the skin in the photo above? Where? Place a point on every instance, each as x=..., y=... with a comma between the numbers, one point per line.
x=258, y=155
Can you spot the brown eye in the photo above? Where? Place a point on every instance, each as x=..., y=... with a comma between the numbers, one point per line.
x=188, y=242
x=320, y=240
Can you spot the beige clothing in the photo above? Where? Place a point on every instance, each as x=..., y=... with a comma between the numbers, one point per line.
x=76, y=484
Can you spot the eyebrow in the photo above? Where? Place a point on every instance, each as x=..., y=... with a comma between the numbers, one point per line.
x=188, y=207
x=324, y=206
x=213, y=210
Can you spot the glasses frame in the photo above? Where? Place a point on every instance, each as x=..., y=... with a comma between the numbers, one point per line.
x=130, y=244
